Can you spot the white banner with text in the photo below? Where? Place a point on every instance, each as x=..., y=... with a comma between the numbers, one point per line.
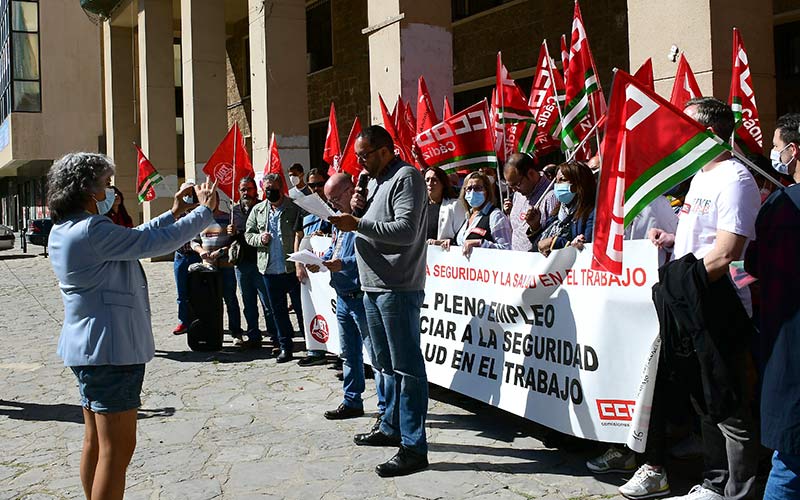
x=548, y=339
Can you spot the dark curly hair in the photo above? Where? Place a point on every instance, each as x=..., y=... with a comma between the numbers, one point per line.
x=72, y=180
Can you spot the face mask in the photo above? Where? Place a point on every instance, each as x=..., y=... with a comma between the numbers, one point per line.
x=475, y=198
x=104, y=206
x=777, y=164
x=273, y=195
x=294, y=180
x=563, y=192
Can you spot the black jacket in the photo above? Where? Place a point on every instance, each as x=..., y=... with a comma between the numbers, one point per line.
x=710, y=319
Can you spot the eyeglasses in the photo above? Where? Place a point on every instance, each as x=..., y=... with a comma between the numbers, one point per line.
x=338, y=197
x=364, y=156
x=477, y=189
x=315, y=185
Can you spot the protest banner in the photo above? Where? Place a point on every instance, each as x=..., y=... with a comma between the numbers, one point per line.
x=548, y=339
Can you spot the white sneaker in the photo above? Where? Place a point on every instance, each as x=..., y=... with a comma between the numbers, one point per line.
x=647, y=482
x=613, y=460
x=698, y=492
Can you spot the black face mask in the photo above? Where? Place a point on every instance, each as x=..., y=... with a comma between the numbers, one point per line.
x=273, y=195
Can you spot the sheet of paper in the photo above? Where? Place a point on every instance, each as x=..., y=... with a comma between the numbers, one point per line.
x=313, y=204
x=306, y=257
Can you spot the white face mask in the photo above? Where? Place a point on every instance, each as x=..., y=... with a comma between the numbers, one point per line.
x=294, y=180
x=777, y=164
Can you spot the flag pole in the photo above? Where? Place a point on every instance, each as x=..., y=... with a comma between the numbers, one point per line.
x=583, y=141
x=503, y=126
x=755, y=167
x=555, y=90
x=233, y=181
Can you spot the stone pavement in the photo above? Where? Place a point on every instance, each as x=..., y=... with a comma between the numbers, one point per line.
x=235, y=425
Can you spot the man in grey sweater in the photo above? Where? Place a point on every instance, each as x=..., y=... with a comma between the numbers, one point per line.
x=391, y=254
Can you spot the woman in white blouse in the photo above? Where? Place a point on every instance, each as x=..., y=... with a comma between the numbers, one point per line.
x=445, y=213
x=486, y=225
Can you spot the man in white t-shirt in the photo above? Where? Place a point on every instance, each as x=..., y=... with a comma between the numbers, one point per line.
x=715, y=223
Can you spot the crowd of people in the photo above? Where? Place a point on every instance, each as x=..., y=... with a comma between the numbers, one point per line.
x=721, y=347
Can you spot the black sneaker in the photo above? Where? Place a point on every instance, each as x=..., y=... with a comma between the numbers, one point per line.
x=312, y=361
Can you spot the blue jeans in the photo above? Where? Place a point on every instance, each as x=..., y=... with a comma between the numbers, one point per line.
x=278, y=286
x=297, y=304
x=181, y=268
x=784, y=478
x=393, y=321
x=231, y=300
x=251, y=282
x=353, y=335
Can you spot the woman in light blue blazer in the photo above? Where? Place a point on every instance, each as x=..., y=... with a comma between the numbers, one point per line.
x=106, y=337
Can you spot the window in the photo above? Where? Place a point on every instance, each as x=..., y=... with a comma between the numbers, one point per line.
x=319, y=36
x=466, y=8
x=317, y=132
x=787, y=67
x=20, y=67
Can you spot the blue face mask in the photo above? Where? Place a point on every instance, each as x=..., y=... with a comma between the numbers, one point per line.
x=475, y=198
x=103, y=207
x=563, y=192
x=777, y=164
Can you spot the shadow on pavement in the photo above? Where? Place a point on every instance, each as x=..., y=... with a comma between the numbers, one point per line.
x=226, y=355
x=61, y=412
x=17, y=256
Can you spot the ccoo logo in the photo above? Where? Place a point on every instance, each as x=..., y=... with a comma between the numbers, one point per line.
x=615, y=409
x=223, y=173
x=319, y=329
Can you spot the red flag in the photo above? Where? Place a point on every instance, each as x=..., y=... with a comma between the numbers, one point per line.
x=645, y=74
x=447, y=111
x=333, y=150
x=146, y=177
x=685, y=86
x=496, y=128
x=641, y=162
x=274, y=165
x=742, y=99
x=400, y=148
x=462, y=141
x=349, y=161
x=584, y=102
x=564, y=55
x=547, y=88
x=513, y=105
x=426, y=116
x=229, y=163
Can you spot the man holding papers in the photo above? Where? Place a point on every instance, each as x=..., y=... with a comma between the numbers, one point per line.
x=340, y=259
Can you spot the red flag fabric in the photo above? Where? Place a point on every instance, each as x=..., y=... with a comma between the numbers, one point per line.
x=513, y=105
x=229, y=163
x=685, y=86
x=146, y=177
x=584, y=102
x=464, y=140
x=564, y=55
x=274, y=165
x=641, y=162
x=645, y=74
x=547, y=88
x=333, y=150
x=349, y=161
x=400, y=147
x=426, y=116
x=447, y=111
x=742, y=99
x=496, y=128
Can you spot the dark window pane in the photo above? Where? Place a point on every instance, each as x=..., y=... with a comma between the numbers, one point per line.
x=318, y=37
x=27, y=96
x=25, y=16
x=26, y=56
x=316, y=143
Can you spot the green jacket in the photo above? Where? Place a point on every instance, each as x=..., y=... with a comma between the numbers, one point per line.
x=257, y=223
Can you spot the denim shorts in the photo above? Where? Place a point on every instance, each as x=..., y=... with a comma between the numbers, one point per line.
x=110, y=388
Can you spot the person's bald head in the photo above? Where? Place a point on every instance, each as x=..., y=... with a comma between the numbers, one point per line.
x=521, y=174
x=339, y=190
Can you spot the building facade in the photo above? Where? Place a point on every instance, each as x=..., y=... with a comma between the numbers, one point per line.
x=176, y=74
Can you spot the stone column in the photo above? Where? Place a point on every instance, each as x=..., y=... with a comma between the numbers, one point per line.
x=703, y=30
x=204, y=74
x=409, y=38
x=120, y=111
x=157, y=98
x=278, y=83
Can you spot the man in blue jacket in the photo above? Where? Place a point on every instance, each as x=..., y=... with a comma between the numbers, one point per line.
x=340, y=259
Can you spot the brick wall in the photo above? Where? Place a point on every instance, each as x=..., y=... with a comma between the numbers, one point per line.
x=518, y=29
x=238, y=90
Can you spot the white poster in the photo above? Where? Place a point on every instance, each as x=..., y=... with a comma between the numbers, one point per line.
x=544, y=338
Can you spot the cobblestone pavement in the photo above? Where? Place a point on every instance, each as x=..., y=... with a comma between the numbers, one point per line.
x=236, y=425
